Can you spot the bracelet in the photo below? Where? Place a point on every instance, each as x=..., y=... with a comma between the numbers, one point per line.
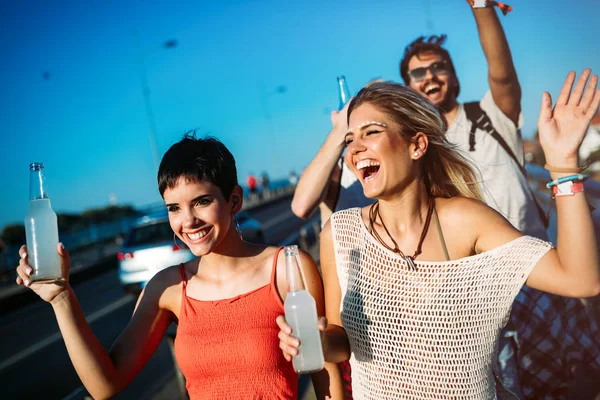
x=505, y=8
x=575, y=170
x=570, y=178
x=567, y=189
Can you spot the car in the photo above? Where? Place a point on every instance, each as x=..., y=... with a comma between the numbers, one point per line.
x=250, y=228
x=150, y=247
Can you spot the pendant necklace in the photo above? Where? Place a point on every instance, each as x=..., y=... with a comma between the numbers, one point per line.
x=410, y=260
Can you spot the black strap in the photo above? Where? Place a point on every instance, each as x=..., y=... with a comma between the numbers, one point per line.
x=480, y=119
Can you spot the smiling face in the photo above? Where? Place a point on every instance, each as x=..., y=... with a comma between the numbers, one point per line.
x=439, y=84
x=377, y=153
x=200, y=215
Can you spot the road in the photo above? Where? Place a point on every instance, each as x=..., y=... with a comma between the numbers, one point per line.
x=33, y=359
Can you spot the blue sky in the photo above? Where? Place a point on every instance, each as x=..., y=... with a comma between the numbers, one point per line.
x=88, y=124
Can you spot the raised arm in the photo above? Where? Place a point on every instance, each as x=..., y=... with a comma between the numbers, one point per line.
x=502, y=76
x=571, y=270
x=313, y=186
x=103, y=373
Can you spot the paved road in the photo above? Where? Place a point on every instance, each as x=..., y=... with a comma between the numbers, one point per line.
x=33, y=360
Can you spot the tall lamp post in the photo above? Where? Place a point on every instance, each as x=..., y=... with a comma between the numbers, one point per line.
x=264, y=99
x=169, y=44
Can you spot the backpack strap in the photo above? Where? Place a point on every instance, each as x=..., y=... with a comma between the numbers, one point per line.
x=480, y=119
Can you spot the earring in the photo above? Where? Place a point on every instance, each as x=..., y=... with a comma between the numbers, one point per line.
x=237, y=228
x=416, y=154
x=176, y=247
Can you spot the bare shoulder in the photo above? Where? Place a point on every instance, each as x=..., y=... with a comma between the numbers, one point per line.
x=475, y=221
x=165, y=288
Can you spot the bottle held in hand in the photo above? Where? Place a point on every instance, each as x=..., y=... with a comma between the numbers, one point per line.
x=344, y=92
x=41, y=229
x=301, y=315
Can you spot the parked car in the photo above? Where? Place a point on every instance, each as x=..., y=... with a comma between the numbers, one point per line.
x=250, y=228
x=150, y=247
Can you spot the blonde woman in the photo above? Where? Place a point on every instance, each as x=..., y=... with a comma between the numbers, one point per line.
x=418, y=285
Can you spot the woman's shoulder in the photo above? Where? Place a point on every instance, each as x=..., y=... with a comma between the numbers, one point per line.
x=464, y=210
x=166, y=286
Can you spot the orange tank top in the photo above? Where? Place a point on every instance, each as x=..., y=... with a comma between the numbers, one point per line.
x=229, y=349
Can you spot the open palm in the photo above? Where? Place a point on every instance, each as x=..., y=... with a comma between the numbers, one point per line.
x=563, y=128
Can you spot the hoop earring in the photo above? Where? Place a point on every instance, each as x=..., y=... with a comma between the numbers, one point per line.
x=237, y=228
x=177, y=246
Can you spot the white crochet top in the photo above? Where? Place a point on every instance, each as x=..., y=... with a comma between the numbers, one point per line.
x=429, y=333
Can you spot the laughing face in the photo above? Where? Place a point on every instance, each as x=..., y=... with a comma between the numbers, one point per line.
x=199, y=215
x=377, y=153
x=437, y=83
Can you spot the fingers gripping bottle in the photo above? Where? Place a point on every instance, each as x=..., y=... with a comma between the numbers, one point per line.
x=41, y=229
x=301, y=315
x=344, y=92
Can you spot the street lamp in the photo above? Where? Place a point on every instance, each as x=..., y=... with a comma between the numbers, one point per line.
x=264, y=99
x=169, y=44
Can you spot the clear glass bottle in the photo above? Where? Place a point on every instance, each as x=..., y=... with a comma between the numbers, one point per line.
x=301, y=315
x=344, y=92
x=41, y=229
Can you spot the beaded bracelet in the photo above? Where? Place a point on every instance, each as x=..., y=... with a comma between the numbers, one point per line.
x=570, y=178
x=505, y=8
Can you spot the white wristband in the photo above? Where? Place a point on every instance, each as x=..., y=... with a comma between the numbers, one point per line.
x=480, y=4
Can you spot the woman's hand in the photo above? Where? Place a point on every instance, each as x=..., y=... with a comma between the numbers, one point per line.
x=289, y=344
x=47, y=290
x=563, y=128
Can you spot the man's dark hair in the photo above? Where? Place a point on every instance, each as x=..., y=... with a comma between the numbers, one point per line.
x=196, y=160
x=430, y=44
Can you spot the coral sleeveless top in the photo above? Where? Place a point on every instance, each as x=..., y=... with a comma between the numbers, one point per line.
x=229, y=349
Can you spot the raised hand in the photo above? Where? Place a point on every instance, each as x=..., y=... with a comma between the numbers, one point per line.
x=563, y=128
x=48, y=291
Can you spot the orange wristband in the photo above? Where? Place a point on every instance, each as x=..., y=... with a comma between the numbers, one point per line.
x=568, y=188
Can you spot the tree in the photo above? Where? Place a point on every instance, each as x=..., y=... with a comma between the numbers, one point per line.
x=14, y=234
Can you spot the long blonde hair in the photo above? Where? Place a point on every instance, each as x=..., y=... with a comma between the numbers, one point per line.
x=446, y=172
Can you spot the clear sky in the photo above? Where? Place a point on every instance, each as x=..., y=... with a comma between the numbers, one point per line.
x=86, y=118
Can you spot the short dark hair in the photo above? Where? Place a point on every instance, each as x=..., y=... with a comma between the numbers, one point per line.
x=426, y=44
x=198, y=159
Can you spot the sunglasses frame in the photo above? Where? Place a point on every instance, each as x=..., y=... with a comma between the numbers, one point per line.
x=436, y=68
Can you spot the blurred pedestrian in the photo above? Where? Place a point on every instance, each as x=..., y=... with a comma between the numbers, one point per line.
x=251, y=183
x=225, y=302
x=265, y=182
x=293, y=178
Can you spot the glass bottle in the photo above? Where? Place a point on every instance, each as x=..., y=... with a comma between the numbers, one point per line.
x=301, y=315
x=344, y=92
x=41, y=229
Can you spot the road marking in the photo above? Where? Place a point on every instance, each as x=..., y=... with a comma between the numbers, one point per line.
x=75, y=393
x=57, y=336
x=276, y=220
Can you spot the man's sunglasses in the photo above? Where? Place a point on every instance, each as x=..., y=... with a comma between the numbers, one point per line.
x=437, y=68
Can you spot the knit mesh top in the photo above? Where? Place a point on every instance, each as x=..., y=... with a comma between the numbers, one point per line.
x=429, y=333
x=229, y=349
